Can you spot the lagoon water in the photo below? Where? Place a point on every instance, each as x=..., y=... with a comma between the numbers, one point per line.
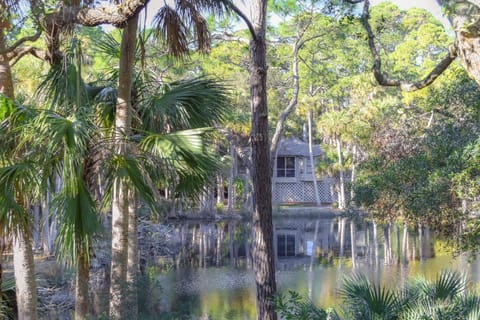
x=207, y=273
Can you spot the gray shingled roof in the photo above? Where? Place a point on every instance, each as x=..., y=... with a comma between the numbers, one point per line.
x=293, y=146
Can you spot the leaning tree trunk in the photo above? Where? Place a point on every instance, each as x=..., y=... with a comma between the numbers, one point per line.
x=263, y=254
x=465, y=20
x=118, y=276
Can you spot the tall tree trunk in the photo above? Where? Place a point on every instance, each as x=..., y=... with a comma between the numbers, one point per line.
x=354, y=172
x=263, y=254
x=25, y=284
x=118, y=277
x=132, y=264
x=341, y=196
x=81, y=284
x=310, y=152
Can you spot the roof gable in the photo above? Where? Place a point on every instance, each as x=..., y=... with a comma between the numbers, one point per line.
x=293, y=146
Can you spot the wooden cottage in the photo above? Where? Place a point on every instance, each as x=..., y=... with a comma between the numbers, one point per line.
x=293, y=174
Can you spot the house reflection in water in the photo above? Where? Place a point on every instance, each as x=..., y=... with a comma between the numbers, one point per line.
x=305, y=242
x=298, y=243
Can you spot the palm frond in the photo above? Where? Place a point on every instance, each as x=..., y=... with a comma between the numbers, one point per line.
x=187, y=154
x=106, y=44
x=18, y=181
x=78, y=223
x=129, y=169
x=364, y=300
x=172, y=31
x=186, y=104
x=63, y=85
x=449, y=284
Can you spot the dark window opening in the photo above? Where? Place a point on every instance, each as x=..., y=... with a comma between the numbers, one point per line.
x=286, y=167
x=286, y=245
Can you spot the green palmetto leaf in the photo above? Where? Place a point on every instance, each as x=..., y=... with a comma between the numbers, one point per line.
x=448, y=285
x=79, y=221
x=131, y=169
x=63, y=86
x=18, y=181
x=364, y=300
x=186, y=153
x=186, y=104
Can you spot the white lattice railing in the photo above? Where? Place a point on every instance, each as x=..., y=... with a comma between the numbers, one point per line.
x=301, y=192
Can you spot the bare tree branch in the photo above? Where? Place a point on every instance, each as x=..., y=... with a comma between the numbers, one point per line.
x=244, y=18
x=296, y=88
x=15, y=55
x=225, y=36
x=377, y=64
x=22, y=41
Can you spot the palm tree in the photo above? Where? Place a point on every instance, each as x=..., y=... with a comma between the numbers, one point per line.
x=174, y=32
x=19, y=189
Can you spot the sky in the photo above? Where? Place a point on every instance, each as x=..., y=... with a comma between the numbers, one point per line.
x=430, y=5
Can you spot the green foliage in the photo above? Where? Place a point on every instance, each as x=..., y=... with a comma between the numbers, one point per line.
x=445, y=298
x=364, y=300
x=295, y=307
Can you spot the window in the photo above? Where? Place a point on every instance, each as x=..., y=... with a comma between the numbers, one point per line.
x=286, y=245
x=286, y=167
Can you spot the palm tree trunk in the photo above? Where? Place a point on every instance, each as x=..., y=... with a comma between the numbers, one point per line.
x=118, y=281
x=263, y=254
x=26, y=287
x=81, y=285
x=132, y=264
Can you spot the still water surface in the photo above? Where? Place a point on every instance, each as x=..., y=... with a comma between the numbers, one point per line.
x=208, y=273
